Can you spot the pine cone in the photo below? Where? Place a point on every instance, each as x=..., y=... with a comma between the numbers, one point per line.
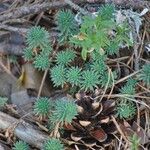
x=93, y=127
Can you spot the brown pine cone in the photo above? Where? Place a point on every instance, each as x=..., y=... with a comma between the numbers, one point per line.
x=93, y=127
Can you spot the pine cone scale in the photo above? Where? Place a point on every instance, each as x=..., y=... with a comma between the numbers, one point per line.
x=99, y=134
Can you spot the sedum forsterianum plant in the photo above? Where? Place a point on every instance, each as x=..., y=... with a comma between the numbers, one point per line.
x=37, y=37
x=41, y=62
x=93, y=38
x=99, y=33
x=129, y=88
x=89, y=80
x=98, y=65
x=42, y=106
x=3, y=101
x=73, y=76
x=126, y=108
x=65, y=57
x=66, y=25
x=58, y=75
x=53, y=144
x=145, y=74
x=135, y=142
x=21, y=145
x=64, y=111
x=28, y=53
x=38, y=48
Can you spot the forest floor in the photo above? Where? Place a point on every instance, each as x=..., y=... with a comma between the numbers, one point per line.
x=75, y=74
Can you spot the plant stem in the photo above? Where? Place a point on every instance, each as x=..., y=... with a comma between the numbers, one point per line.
x=42, y=83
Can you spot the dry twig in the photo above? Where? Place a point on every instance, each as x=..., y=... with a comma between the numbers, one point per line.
x=23, y=130
x=37, y=8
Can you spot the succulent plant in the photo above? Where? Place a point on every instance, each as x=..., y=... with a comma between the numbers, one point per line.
x=66, y=24
x=145, y=74
x=125, y=109
x=21, y=145
x=42, y=106
x=65, y=57
x=89, y=80
x=98, y=66
x=46, y=50
x=135, y=142
x=73, y=76
x=53, y=144
x=105, y=77
x=113, y=48
x=122, y=34
x=93, y=35
x=132, y=82
x=107, y=11
x=41, y=62
x=129, y=87
x=93, y=125
x=37, y=37
x=3, y=101
x=64, y=111
x=28, y=54
x=58, y=75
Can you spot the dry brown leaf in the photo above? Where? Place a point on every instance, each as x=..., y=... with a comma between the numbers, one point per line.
x=31, y=79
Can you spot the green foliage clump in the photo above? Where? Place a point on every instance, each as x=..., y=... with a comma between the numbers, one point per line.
x=126, y=108
x=89, y=80
x=73, y=76
x=135, y=142
x=53, y=144
x=145, y=74
x=28, y=54
x=129, y=88
x=95, y=33
x=38, y=49
x=3, y=101
x=96, y=57
x=113, y=48
x=107, y=11
x=99, y=66
x=41, y=62
x=66, y=24
x=37, y=37
x=65, y=57
x=42, y=106
x=21, y=145
x=122, y=36
x=58, y=75
x=64, y=111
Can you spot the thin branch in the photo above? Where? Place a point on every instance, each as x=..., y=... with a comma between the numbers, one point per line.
x=33, y=9
x=126, y=77
x=76, y=7
x=37, y=8
x=42, y=83
x=23, y=130
x=14, y=29
x=119, y=129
